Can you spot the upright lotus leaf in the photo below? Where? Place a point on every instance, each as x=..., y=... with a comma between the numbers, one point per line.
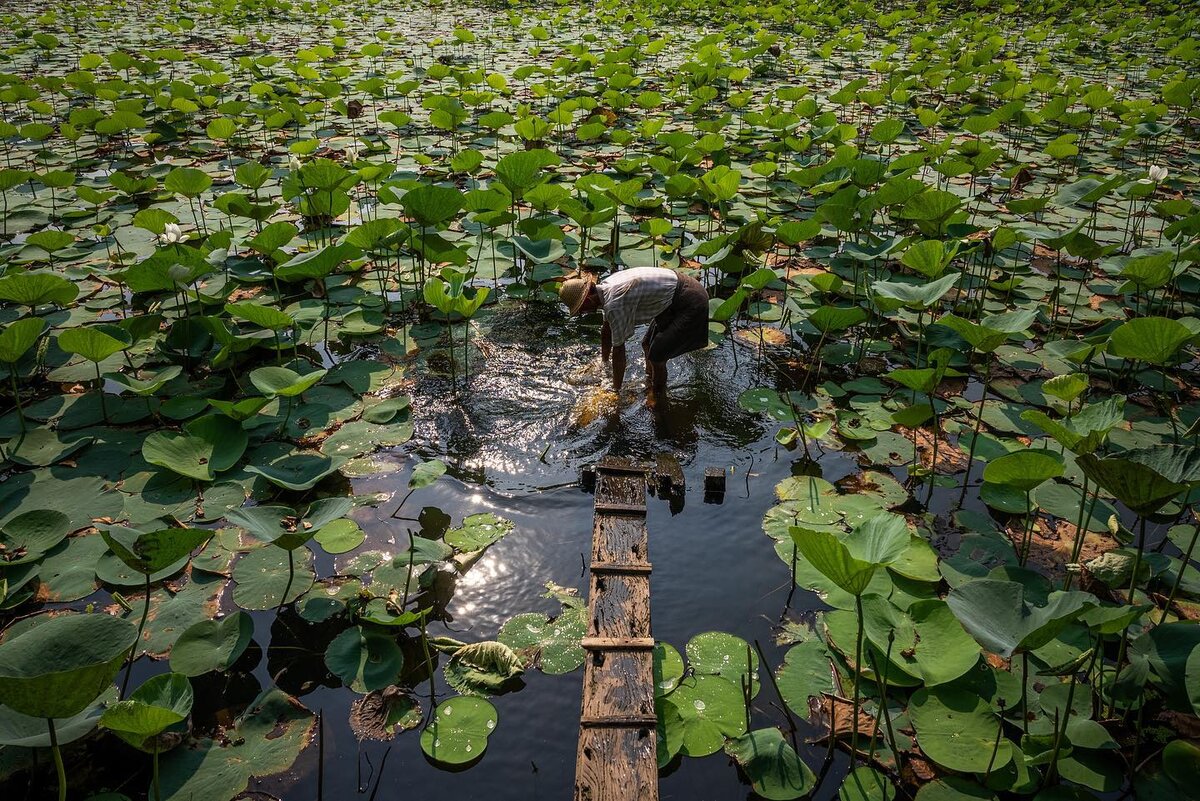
x=24, y=731
x=28, y=536
x=58, y=667
x=365, y=659
x=998, y=616
x=958, y=730
x=459, y=731
x=1023, y=470
x=187, y=181
x=1145, y=479
x=18, y=337
x=210, y=445
x=892, y=295
x=1155, y=340
x=992, y=331
x=161, y=702
x=850, y=562
x=148, y=552
x=432, y=205
x=1084, y=431
x=522, y=170
x=209, y=645
x=283, y=382
x=316, y=264
x=774, y=768
x=296, y=470
x=260, y=314
x=148, y=385
x=925, y=380
x=483, y=668
x=1066, y=387
x=38, y=289
x=94, y=343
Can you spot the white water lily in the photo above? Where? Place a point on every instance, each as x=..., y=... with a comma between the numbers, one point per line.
x=1158, y=174
x=172, y=235
x=294, y=162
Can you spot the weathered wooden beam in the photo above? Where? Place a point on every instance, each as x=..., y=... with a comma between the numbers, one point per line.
x=616, y=758
x=615, y=567
x=617, y=643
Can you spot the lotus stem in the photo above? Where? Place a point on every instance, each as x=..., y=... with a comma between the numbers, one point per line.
x=138, y=641
x=157, y=785
x=857, y=674
x=100, y=389
x=1137, y=566
x=881, y=681
x=1059, y=733
x=1187, y=558
x=1080, y=533
x=995, y=745
x=775, y=685
x=58, y=761
x=1025, y=692
x=987, y=377
x=16, y=391
x=291, y=577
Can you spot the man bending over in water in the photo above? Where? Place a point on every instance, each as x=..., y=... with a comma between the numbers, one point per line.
x=675, y=305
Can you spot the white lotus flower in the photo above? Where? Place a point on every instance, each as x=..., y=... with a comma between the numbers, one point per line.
x=172, y=235
x=294, y=162
x=1158, y=174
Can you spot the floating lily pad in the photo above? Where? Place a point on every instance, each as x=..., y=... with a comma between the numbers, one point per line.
x=212, y=644
x=264, y=580
x=459, y=731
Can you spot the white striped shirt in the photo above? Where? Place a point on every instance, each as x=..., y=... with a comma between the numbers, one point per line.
x=635, y=296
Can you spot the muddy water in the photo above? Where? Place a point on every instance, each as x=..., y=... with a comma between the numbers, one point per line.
x=515, y=443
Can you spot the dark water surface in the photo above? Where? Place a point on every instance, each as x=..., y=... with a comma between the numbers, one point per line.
x=515, y=450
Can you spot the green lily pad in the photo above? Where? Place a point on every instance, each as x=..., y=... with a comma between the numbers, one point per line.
x=365, y=659
x=957, y=729
x=264, y=580
x=265, y=740
x=459, y=731
x=212, y=644
x=775, y=770
x=478, y=532
x=61, y=665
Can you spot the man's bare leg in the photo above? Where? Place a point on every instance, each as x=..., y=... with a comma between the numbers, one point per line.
x=658, y=382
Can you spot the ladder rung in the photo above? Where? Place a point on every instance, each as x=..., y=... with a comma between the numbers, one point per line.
x=603, y=507
x=618, y=643
x=618, y=720
x=613, y=567
x=622, y=469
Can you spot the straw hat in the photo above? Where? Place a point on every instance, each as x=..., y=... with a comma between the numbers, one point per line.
x=574, y=291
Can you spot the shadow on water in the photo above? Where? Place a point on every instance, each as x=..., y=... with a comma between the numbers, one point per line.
x=515, y=443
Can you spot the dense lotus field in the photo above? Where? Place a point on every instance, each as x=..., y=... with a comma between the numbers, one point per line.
x=957, y=240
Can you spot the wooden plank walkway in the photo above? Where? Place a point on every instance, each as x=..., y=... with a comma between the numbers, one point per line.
x=617, y=756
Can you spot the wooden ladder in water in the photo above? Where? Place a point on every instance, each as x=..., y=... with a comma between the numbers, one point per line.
x=617, y=757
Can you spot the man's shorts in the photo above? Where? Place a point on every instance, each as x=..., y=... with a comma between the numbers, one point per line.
x=681, y=327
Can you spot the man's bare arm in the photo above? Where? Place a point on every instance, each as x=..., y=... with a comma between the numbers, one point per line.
x=618, y=366
x=605, y=341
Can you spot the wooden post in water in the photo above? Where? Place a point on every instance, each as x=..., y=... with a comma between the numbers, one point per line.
x=617, y=758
